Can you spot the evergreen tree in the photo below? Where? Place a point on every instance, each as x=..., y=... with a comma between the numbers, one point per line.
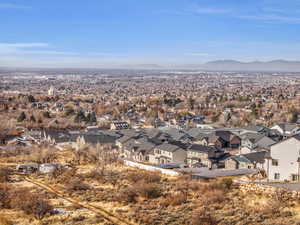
x=31, y=98
x=46, y=114
x=93, y=117
x=32, y=118
x=80, y=117
x=21, y=117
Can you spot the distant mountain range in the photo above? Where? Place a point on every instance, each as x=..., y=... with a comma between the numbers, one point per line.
x=232, y=65
x=229, y=65
x=218, y=65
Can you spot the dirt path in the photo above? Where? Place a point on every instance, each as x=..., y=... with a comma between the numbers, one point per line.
x=96, y=209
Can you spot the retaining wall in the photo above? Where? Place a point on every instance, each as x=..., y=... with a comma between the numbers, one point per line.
x=151, y=168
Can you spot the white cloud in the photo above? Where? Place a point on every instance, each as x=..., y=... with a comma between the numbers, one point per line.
x=38, y=48
x=13, y=6
x=197, y=54
x=23, y=45
x=272, y=18
x=204, y=10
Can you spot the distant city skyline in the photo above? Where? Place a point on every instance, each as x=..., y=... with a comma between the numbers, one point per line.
x=116, y=33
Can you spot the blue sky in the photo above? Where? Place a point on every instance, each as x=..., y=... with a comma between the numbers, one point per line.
x=104, y=33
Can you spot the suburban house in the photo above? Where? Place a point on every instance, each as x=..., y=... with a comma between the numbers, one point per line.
x=94, y=139
x=253, y=142
x=60, y=137
x=256, y=129
x=121, y=141
x=168, y=153
x=284, y=161
x=200, y=155
x=119, y=125
x=287, y=129
x=221, y=139
x=178, y=135
x=76, y=139
x=238, y=162
x=138, y=149
x=258, y=159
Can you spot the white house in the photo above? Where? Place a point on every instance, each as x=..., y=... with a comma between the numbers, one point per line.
x=287, y=129
x=284, y=162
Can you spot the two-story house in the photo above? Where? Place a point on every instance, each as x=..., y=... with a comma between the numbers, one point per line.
x=284, y=162
x=221, y=139
x=200, y=155
x=138, y=149
x=169, y=153
x=253, y=142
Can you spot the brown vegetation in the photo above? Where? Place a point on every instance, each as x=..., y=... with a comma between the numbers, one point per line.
x=23, y=199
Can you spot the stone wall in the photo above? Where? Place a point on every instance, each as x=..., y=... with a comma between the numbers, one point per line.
x=265, y=189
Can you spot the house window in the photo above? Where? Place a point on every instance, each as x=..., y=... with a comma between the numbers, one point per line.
x=277, y=176
x=274, y=162
x=295, y=177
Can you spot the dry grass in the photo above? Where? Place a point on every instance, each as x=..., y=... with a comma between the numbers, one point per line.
x=147, y=197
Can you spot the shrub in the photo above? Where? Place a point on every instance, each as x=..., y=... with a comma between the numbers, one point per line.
x=271, y=207
x=5, y=190
x=203, y=217
x=226, y=183
x=127, y=195
x=4, y=175
x=65, y=176
x=5, y=221
x=23, y=199
x=36, y=206
x=76, y=184
x=145, y=176
x=213, y=196
x=148, y=190
x=175, y=199
x=140, y=189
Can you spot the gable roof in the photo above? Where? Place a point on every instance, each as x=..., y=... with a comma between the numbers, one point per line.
x=240, y=158
x=287, y=127
x=168, y=147
x=257, y=157
x=297, y=137
x=201, y=148
x=255, y=128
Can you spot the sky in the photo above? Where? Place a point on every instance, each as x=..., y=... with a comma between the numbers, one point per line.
x=112, y=33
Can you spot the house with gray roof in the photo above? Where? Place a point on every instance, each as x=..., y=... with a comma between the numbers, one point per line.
x=238, y=162
x=220, y=138
x=169, y=153
x=137, y=149
x=253, y=142
x=287, y=129
x=258, y=159
x=201, y=155
x=256, y=129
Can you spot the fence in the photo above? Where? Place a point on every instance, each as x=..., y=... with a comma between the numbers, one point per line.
x=151, y=168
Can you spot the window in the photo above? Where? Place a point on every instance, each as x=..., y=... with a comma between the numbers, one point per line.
x=277, y=176
x=295, y=177
x=274, y=162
